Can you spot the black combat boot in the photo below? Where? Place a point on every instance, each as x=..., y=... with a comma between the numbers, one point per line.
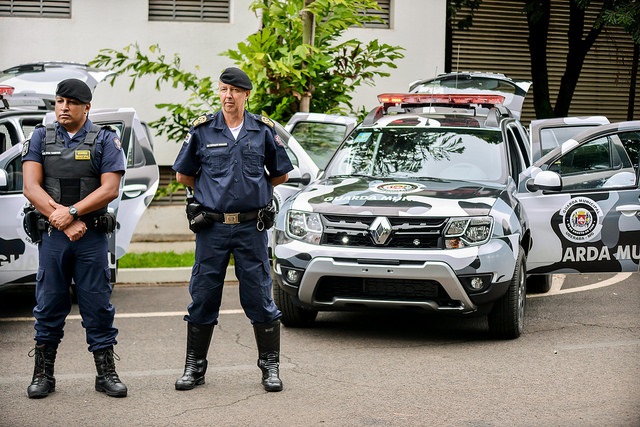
x=43, y=381
x=107, y=380
x=195, y=366
x=268, y=341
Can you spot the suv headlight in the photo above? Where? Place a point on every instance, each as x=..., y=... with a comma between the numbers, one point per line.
x=305, y=226
x=463, y=232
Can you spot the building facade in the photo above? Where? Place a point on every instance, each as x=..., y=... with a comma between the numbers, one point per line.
x=198, y=31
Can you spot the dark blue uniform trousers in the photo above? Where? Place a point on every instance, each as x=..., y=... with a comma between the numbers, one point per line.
x=85, y=261
x=213, y=249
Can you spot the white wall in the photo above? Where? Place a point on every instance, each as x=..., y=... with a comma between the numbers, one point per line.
x=417, y=25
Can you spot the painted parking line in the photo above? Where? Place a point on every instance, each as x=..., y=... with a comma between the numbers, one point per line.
x=123, y=315
x=556, y=289
x=558, y=280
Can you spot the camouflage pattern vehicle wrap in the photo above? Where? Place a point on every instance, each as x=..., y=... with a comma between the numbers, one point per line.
x=415, y=210
x=584, y=203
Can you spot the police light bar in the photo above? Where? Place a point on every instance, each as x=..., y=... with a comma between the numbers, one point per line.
x=452, y=99
x=6, y=90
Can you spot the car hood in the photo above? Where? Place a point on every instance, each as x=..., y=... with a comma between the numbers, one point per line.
x=394, y=197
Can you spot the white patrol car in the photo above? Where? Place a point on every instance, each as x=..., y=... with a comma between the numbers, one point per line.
x=431, y=203
x=18, y=255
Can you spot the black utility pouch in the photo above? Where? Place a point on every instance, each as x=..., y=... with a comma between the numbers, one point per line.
x=105, y=223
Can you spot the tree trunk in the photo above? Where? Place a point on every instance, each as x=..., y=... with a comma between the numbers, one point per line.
x=308, y=36
x=538, y=16
x=577, y=52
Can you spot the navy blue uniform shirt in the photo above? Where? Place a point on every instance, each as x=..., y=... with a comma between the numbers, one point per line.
x=109, y=150
x=230, y=174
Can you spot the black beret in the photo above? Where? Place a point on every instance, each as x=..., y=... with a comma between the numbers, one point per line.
x=236, y=77
x=74, y=88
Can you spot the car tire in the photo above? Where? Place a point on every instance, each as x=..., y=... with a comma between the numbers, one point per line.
x=506, y=318
x=292, y=315
x=539, y=283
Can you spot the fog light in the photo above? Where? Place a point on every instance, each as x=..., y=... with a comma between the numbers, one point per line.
x=293, y=276
x=476, y=283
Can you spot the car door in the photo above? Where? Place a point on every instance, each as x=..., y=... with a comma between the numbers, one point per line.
x=582, y=201
x=142, y=176
x=18, y=256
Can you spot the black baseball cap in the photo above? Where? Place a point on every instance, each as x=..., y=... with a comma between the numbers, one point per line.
x=74, y=88
x=236, y=77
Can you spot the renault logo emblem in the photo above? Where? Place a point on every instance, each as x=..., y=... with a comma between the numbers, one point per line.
x=380, y=230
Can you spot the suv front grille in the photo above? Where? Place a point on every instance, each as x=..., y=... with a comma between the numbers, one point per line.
x=330, y=287
x=406, y=232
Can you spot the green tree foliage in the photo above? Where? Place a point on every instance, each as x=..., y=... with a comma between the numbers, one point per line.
x=279, y=64
x=284, y=68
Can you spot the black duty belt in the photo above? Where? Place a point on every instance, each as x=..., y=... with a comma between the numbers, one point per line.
x=233, y=218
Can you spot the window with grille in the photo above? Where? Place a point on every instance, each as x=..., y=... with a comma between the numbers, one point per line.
x=36, y=8
x=385, y=14
x=189, y=10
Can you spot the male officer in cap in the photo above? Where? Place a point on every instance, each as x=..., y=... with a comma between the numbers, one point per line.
x=72, y=170
x=232, y=159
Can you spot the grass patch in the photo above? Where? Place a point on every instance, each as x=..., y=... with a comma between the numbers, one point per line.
x=157, y=260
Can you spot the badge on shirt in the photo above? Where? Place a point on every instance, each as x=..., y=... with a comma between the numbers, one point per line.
x=118, y=143
x=279, y=141
x=25, y=147
x=83, y=155
x=187, y=138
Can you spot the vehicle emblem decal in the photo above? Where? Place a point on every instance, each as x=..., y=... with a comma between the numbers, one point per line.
x=380, y=230
x=398, y=187
x=581, y=219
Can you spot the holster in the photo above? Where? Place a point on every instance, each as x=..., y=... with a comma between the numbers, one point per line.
x=196, y=214
x=34, y=223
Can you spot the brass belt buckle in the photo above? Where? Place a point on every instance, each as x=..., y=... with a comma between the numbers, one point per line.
x=232, y=218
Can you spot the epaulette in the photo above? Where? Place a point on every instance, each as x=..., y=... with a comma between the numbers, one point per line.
x=202, y=119
x=266, y=120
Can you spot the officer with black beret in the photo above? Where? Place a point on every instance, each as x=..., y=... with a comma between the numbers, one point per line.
x=72, y=171
x=232, y=159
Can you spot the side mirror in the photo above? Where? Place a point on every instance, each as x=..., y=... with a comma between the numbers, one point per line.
x=304, y=179
x=545, y=180
x=295, y=177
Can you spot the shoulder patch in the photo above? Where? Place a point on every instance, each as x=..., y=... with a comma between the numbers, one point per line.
x=25, y=147
x=200, y=120
x=267, y=121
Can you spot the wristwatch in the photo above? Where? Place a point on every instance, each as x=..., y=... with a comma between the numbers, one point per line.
x=73, y=212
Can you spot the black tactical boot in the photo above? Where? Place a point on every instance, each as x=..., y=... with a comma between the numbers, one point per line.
x=195, y=366
x=43, y=381
x=268, y=341
x=107, y=380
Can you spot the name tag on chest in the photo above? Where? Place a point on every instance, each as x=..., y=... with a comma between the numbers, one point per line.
x=83, y=155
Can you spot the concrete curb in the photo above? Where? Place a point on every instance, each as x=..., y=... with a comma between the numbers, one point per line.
x=162, y=275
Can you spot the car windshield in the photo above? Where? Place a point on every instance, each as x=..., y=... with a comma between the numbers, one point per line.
x=451, y=154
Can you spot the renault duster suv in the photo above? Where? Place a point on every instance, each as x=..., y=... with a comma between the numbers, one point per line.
x=415, y=210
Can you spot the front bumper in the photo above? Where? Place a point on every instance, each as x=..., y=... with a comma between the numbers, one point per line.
x=331, y=279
